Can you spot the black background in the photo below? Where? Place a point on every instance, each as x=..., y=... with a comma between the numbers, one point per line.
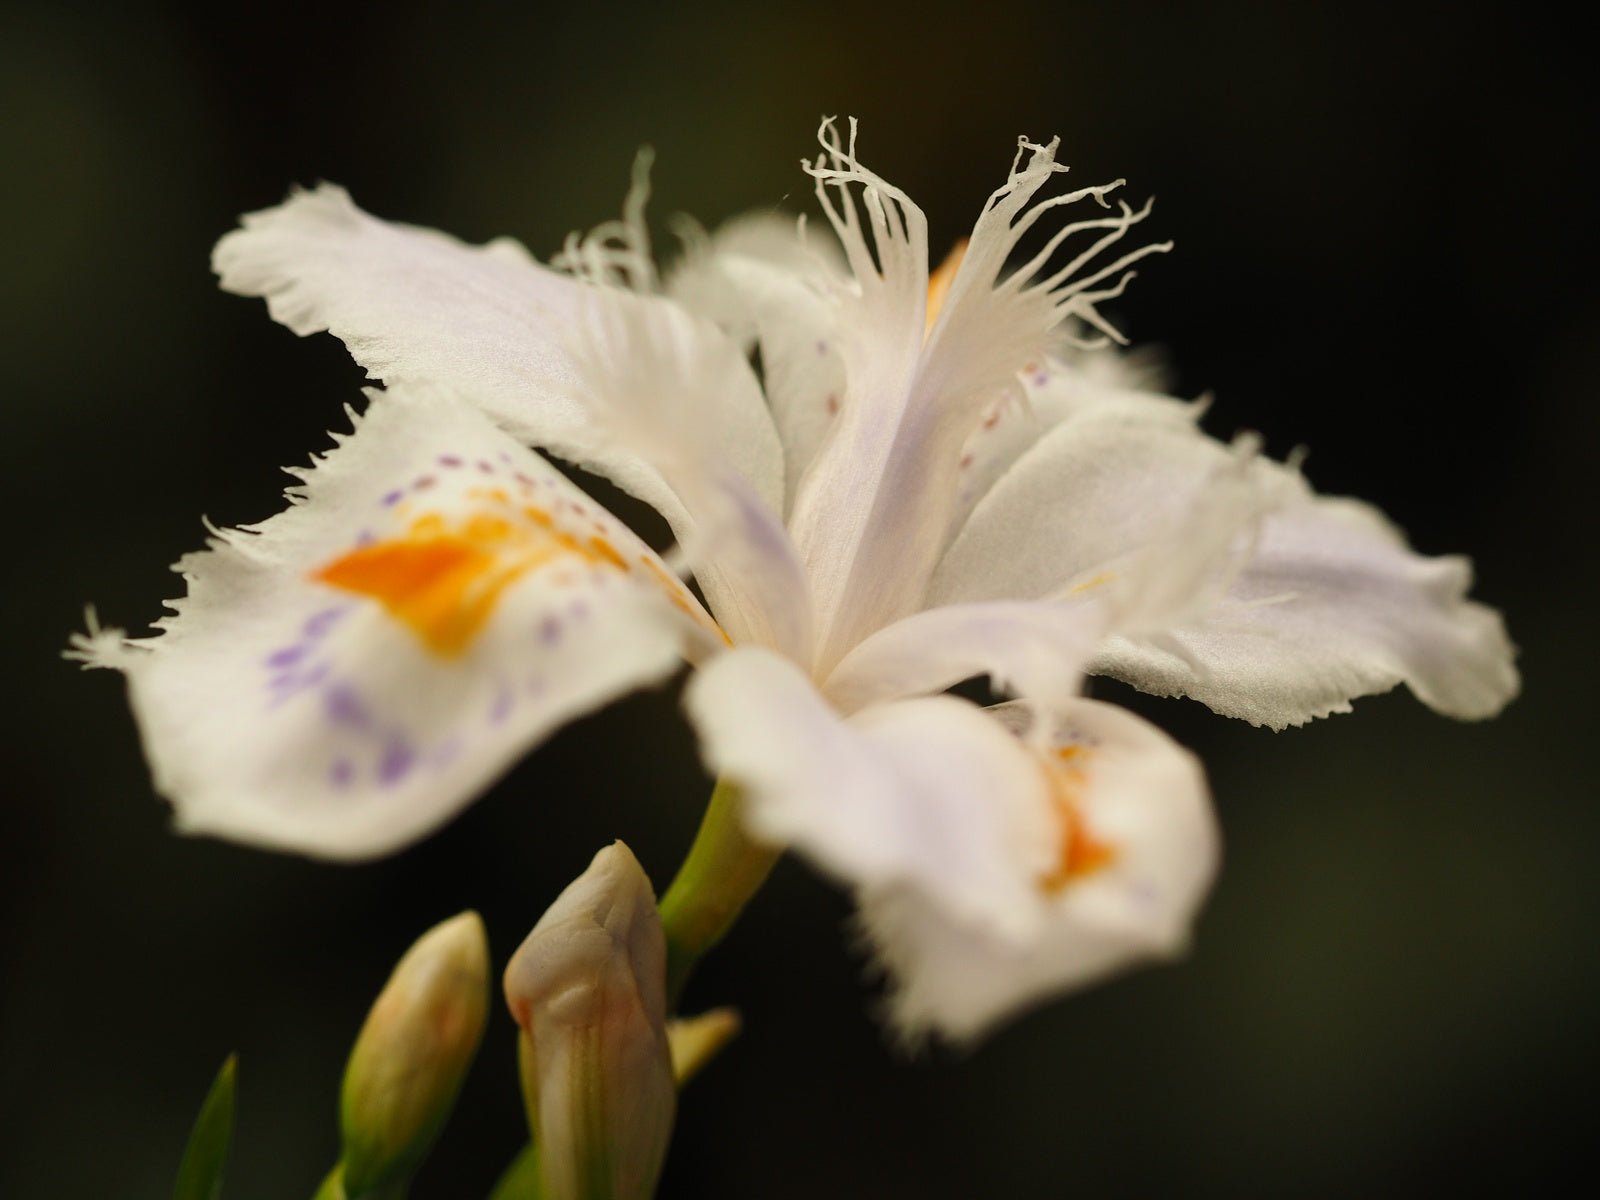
x=1385, y=253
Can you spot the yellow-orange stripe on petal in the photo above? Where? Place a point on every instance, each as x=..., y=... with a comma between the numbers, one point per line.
x=1082, y=854
x=444, y=581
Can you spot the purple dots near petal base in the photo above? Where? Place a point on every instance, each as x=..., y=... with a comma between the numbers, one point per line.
x=344, y=706
x=288, y=656
x=319, y=624
x=501, y=708
x=396, y=761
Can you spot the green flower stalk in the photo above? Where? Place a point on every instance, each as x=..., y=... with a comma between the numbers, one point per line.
x=588, y=989
x=410, y=1058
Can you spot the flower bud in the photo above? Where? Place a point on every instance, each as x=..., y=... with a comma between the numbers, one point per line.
x=412, y=1054
x=588, y=988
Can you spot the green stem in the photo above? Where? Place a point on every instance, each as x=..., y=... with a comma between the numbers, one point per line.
x=724, y=868
x=333, y=1188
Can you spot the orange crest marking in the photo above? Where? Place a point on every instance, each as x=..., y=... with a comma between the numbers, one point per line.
x=1082, y=854
x=443, y=582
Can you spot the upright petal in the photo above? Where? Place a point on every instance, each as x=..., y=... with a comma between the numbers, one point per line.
x=346, y=675
x=859, y=566
x=873, y=514
x=1136, y=852
x=767, y=284
x=489, y=323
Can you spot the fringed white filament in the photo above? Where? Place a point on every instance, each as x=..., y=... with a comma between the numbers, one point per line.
x=617, y=252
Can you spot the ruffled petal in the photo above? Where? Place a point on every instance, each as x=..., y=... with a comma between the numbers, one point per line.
x=929, y=793
x=1333, y=605
x=1137, y=848
x=345, y=676
x=488, y=322
x=1226, y=578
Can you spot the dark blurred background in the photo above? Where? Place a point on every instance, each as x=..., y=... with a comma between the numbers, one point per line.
x=1385, y=252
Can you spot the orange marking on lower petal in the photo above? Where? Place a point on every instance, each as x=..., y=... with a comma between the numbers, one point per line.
x=1082, y=854
x=442, y=587
x=443, y=581
x=608, y=552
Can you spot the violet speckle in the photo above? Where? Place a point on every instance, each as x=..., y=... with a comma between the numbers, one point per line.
x=287, y=657
x=396, y=761
x=344, y=706
x=323, y=621
x=501, y=708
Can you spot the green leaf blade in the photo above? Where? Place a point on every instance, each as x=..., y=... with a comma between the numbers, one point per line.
x=206, y=1155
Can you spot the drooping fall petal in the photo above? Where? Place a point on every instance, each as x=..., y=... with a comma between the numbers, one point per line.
x=345, y=676
x=487, y=323
x=1135, y=850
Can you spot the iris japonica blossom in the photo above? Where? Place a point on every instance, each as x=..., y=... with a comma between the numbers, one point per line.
x=930, y=476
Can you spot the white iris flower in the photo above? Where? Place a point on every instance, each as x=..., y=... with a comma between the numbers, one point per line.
x=927, y=480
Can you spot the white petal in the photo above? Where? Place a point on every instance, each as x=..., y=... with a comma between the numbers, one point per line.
x=1333, y=605
x=660, y=383
x=1118, y=503
x=1326, y=604
x=861, y=516
x=414, y=305
x=346, y=675
x=1034, y=649
x=928, y=793
x=1135, y=861
x=768, y=286
x=873, y=514
x=1055, y=392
